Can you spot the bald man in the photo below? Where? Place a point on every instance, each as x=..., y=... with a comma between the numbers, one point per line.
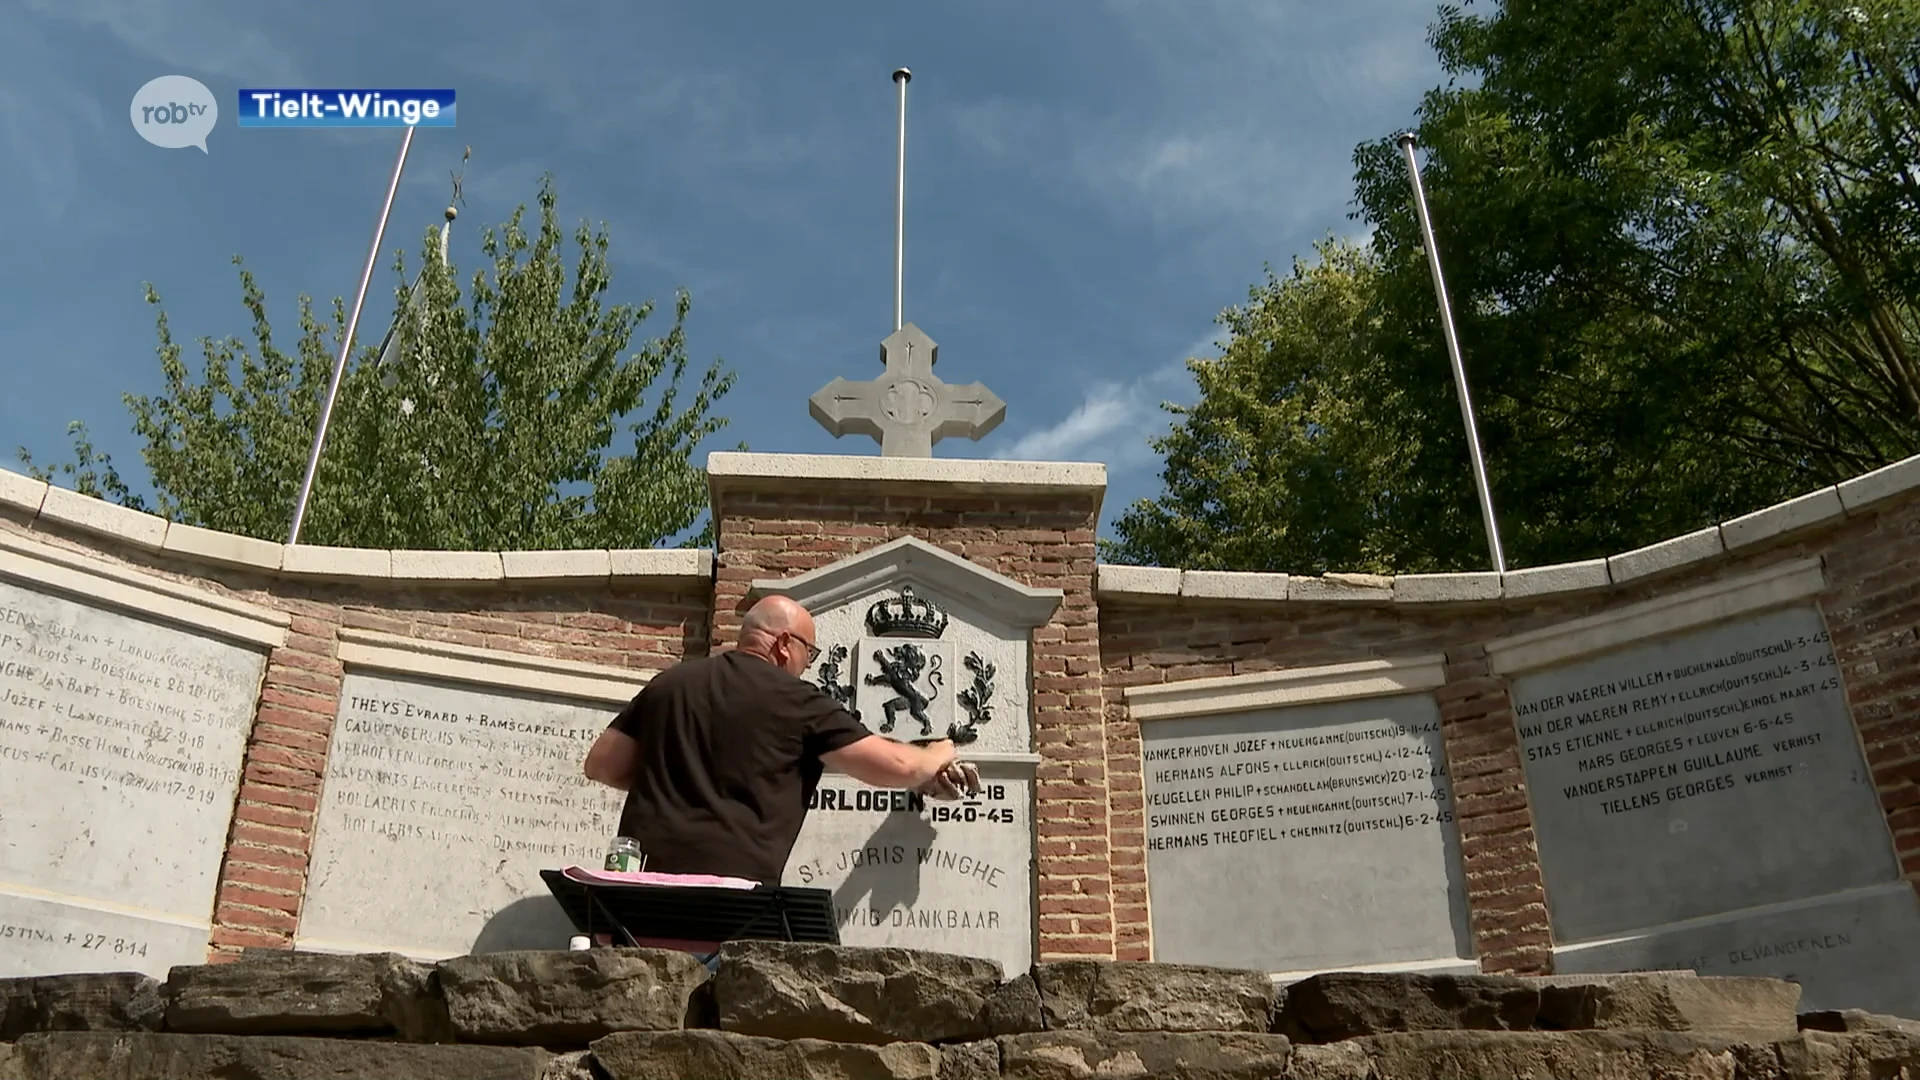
x=719, y=756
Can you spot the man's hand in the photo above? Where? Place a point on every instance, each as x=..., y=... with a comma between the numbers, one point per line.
x=961, y=777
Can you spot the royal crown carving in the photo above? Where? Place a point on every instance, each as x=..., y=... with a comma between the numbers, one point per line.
x=906, y=615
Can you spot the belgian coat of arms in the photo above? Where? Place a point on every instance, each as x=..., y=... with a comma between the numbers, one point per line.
x=902, y=681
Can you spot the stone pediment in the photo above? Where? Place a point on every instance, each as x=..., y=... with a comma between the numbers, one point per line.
x=911, y=561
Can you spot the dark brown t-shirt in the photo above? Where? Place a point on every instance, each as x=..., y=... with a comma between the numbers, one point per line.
x=729, y=751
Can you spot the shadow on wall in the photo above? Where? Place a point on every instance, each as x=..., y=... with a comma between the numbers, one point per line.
x=536, y=922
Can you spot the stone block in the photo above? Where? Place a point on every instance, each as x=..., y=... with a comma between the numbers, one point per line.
x=1782, y=519
x=115, y=1001
x=1573, y=1055
x=222, y=548
x=1558, y=578
x=565, y=998
x=1363, y=588
x=1756, y=1010
x=21, y=494
x=1820, y=1055
x=1135, y=1055
x=1446, y=588
x=1235, y=585
x=447, y=566
x=783, y=990
x=686, y=1055
x=1856, y=494
x=1112, y=578
x=555, y=565
x=1333, y=1061
x=970, y=1061
x=298, y=993
x=576, y=1065
x=337, y=563
x=695, y=563
x=153, y=1056
x=102, y=518
x=1855, y=1021
x=1102, y=995
x=1667, y=555
x=1014, y=1008
x=1348, y=1004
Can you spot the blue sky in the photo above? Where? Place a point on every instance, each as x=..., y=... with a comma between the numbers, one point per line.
x=1089, y=184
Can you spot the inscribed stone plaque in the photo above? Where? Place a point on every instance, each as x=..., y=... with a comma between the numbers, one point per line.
x=442, y=805
x=1857, y=950
x=1304, y=838
x=918, y=873
x=120, y=748
x=1705, y=773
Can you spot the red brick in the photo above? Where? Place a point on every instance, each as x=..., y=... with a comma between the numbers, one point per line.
x=1061, y=947
x=241, y=938
x=243, y=918
x=266, y=879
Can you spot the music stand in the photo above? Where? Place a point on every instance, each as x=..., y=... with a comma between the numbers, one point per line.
x=694, y=918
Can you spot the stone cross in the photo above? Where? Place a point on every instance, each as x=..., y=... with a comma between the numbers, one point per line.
x=907, y=409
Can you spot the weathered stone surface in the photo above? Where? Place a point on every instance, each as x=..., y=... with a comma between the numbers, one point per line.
x=556, y=998
x=867, y=995
x=1014, y=1008
x=7, y=1071
x=577, y=1065
x=1132, y=1055
x=1856, y=1020
x=1102, y=995
x=69, y=1055
x=307, y=994
x=119, y=1001
x=1345, y=1005
x=1570, y=1055
x=970, y=1061
x=1757, y=1010
x=1820, y=1055
x=695, y=1055
x=1332, y=1061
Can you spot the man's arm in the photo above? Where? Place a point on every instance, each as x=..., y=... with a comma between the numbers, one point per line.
x=885, y=763
x=613, y=760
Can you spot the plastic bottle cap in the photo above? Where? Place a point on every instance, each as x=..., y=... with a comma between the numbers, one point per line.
x=579, y=942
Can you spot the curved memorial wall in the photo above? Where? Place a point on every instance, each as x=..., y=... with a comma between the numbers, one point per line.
x=1696, y=755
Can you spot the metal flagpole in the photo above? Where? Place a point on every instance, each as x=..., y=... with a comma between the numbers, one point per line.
x=900, y=79
x=346, y=343
x=1453, y=353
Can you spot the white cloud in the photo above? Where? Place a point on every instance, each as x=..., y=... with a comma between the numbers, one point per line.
x=1114, y=419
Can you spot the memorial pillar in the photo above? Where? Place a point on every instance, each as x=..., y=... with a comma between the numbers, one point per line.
x=777, y=516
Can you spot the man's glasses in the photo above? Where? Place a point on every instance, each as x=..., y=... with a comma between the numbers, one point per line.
x=813, y=651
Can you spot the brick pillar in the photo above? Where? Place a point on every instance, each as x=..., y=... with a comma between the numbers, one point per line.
x=1505, y=893
x=264, y=871
x=778, y=515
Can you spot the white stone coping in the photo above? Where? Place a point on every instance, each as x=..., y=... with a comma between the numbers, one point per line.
x=1291, y=686
x=909, y=561
x=733, y=470
x=38, y=502
x=1851, y=498
x=99, y=583
x=1661, y=616
x=1442, y=965
x=373, y=650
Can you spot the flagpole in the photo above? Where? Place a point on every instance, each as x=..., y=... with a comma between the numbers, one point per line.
x=1453, y=353
x=901, y=77
x=346, y=342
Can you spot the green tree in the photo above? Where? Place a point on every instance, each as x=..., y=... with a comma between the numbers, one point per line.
x=491, y=427
x=1682, y=239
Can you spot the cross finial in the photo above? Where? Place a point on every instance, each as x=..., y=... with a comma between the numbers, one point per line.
x=907, y=409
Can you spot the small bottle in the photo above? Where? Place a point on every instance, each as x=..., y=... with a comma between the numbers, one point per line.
x=625, y=856
x=579, y=943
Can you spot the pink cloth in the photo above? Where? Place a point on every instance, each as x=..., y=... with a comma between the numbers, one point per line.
x=587, y=876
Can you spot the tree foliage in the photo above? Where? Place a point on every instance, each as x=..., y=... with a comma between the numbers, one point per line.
x=1682, y=241
x=491, y=428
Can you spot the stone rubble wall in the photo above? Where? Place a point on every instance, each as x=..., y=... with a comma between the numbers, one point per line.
x=778, y=1011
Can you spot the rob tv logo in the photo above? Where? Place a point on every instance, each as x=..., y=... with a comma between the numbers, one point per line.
x=175, y=112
